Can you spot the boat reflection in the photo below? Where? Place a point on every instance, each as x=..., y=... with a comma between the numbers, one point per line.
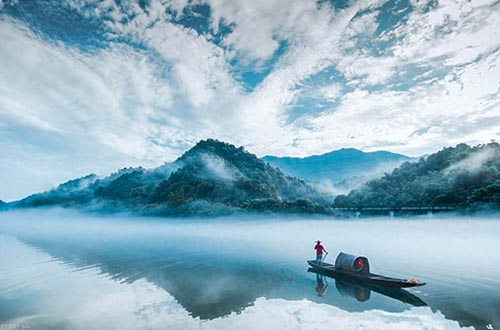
x=347, y=289
x=362, y=291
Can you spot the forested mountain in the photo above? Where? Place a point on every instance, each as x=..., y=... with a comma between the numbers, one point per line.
x=211, y=177
x=217, y=178
x=342, y=169
x=461, y=176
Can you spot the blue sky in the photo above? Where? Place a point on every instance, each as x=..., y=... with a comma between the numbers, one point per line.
x=91, y=86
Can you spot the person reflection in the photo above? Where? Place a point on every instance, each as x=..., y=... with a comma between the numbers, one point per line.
x=321, y=285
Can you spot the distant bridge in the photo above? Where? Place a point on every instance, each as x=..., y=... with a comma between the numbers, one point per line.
x=391, y=210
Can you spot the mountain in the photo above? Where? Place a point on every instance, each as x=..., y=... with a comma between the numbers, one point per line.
x=2, y=203
x=211, y=178
x=461, y=177
x=343, y=169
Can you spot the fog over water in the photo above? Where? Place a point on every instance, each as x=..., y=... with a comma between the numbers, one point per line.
x=65, y=270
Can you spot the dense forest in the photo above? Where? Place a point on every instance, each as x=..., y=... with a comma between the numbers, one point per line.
x=459, y=177
x=215, y=178
x=211, y=178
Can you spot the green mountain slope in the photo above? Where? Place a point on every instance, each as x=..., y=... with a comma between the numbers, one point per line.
x=211, y=177
x=460, y=176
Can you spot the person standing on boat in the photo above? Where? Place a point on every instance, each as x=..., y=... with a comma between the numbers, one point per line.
x=319, y=251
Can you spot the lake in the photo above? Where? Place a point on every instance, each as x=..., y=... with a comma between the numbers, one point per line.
x=65, y=270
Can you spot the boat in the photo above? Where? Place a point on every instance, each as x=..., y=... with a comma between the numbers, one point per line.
x=357, y=268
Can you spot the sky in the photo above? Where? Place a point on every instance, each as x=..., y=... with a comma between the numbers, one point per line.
x=92, y=86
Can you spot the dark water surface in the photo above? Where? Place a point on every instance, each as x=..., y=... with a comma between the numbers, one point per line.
x=64, y=270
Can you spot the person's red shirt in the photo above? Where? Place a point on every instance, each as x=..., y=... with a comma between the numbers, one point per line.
x=319, y=249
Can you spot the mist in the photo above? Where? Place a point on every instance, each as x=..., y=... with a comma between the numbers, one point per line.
x=217, y=168
x=349, y=182
x=290, y=239
x=473, y=162
x=243, y=264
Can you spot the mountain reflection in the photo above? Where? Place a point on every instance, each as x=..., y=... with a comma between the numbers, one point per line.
x=207, y=286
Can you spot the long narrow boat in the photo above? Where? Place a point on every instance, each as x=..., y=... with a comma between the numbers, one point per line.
x=375, y=279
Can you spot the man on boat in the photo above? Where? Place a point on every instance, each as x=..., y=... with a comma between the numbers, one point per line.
x=319, y=251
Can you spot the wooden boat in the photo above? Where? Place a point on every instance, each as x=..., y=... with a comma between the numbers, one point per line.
x=363, y=277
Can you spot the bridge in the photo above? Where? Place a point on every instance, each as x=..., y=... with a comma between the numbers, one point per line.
x=392, y=210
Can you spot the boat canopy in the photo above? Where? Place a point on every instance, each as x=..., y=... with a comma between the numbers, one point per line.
x=352, y=263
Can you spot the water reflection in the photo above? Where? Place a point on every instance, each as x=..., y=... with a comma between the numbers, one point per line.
x=213, y=269
x=347, y=289
x=208, y=283
x=207, y=286
x=362, y=291
x=321, y=285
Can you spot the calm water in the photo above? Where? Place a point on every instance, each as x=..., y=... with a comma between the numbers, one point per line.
x=64, y=270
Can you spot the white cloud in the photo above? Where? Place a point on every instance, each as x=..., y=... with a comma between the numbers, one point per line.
x=372, y=70
x=331, y=92
x=259, y=26
x=110, y=97
x=463, y=107
x=459, y=31
x=198, y=65
x=316, y=48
